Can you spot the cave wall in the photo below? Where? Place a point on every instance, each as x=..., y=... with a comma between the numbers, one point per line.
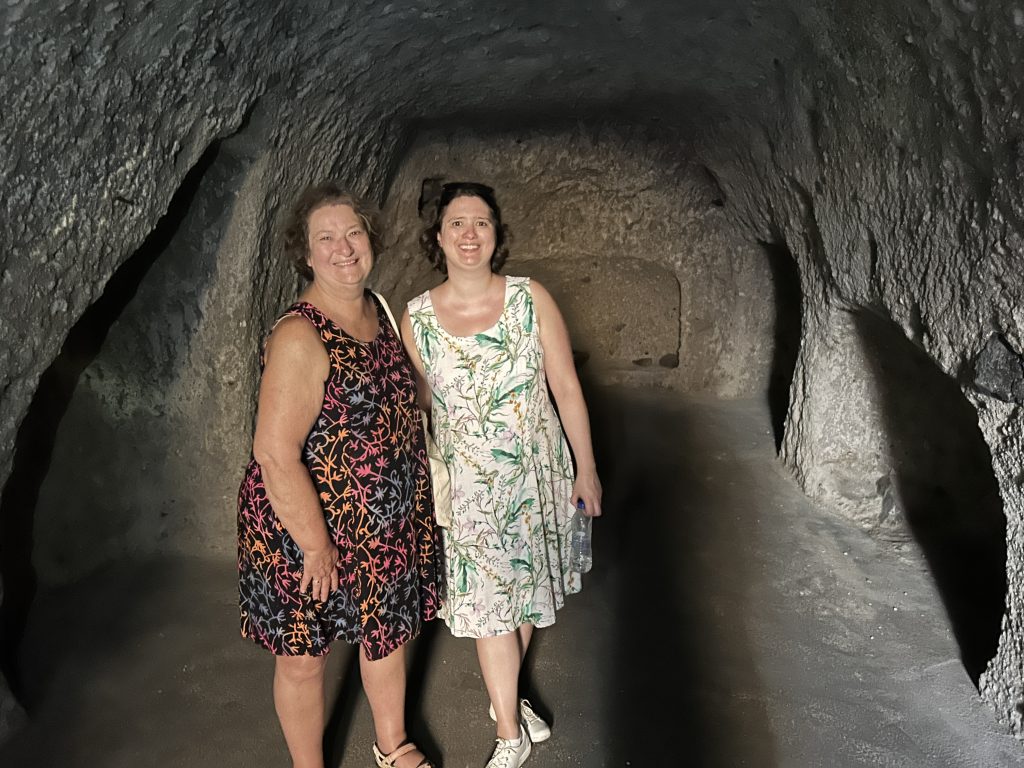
x=893, y=174
x=657, y=286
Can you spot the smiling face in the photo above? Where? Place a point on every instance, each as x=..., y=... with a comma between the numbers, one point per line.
x=467, y=234
x=339, y=246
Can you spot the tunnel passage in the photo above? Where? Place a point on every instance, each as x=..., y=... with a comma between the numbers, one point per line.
x=656, y=287
x=895, y=119
x=941, y=488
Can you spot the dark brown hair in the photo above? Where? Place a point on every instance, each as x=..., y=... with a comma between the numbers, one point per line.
x=428, y=239
x=296, y=229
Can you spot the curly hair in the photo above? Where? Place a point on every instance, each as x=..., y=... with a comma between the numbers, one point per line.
x=428, y=238
x=295, y=240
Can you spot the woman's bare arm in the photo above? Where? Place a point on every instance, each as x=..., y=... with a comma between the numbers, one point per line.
x=291, y=396
x=565, y=386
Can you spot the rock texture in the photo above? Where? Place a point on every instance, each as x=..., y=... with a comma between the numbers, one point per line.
x=147, y=149
x=892, y=172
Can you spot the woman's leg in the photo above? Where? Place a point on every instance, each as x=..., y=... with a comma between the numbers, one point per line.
x=538, y=729
x=384, y=683
x=500, y=661
x=525, y=633
x=299, y=701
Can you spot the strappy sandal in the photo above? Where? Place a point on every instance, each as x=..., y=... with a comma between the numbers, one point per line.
x=389, y=761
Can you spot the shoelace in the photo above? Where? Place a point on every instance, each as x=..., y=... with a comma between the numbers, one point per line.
x=505, y=754
x=528, y=714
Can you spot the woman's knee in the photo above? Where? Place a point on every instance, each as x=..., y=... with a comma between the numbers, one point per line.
x=298, y=669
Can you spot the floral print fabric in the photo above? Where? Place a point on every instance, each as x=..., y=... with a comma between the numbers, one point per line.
x=368, y=461
x=507, y=550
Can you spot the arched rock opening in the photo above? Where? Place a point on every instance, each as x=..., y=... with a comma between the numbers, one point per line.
x=939, y=487
x=56, y=459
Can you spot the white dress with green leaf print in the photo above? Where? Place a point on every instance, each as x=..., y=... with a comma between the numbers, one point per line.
x=507, y=550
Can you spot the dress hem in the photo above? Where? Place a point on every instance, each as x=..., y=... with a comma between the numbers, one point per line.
x=542, y=625
x=339, y=638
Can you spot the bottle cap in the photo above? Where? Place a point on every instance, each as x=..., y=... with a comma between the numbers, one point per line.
x=580, y=504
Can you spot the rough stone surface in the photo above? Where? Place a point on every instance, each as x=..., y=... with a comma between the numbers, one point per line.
x=1002, y=684
x=999, y=371
x=877, y=143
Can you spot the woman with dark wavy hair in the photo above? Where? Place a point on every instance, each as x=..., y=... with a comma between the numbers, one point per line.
x=487, y=348
x=336, y=533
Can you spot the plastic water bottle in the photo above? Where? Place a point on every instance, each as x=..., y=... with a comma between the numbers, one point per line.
x=581, y=558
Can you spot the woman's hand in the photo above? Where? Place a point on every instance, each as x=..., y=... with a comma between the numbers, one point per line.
x=588, y=488
x=319, y=572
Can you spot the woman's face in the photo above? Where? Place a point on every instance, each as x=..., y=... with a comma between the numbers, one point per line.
x=467, y=234
x=339, y=246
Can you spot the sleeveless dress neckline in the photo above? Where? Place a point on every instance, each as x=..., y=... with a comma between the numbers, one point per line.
x=337, y=327
x=488, y=329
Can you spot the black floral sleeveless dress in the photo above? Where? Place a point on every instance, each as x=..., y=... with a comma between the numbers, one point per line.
x=368, y=461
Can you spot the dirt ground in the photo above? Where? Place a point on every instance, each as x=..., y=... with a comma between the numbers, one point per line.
x=728, y=621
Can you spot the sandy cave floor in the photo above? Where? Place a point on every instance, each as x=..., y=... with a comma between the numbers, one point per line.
x=728, y=621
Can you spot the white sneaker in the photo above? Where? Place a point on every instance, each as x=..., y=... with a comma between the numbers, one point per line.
x=508, y=753
x=535, y=726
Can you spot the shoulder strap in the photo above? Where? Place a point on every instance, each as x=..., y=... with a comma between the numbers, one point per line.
x=304, y=309
x=387, y=310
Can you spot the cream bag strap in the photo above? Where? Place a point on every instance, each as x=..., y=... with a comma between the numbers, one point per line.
x=439, y=477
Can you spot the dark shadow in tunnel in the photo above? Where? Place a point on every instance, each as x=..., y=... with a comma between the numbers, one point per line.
x=943, y=485
x=786, y=333
x=681, y=681
x=34, y=443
